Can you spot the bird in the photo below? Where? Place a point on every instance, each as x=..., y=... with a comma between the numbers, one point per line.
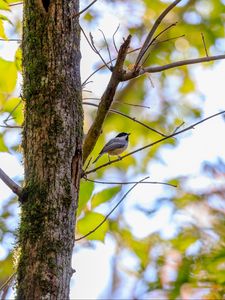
x=115, y=146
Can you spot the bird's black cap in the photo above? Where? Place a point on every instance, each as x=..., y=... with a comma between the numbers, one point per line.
x=122, y=134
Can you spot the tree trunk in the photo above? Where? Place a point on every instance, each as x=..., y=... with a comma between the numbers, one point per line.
x=52, y=144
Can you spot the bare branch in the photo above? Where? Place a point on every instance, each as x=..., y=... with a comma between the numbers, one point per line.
x=107, y=46
x=129, y=182
x=157, y=69
x=154, y=40
x=86, y=8
x=97, y=51
x=103, y=66
x=129, y=52
x=10, y=183
x=93, y=48
x=7, y=283
x=11, y=126
x=15, y=4
x=120, y=102
x=86, y=38
x=107, y=216
x=89, y=161
x=152, y=31
x=169, y=39
x=179, y=126
x=154, y=143
x=128, y=117
x=10, y=40
x=114, y=42
x=203, y=40
x=106, y=100
x=8, y=118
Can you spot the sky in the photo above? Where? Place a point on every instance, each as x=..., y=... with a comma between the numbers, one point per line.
x=206, y=142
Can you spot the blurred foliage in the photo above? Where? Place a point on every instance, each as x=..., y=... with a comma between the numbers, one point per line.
x=190, y=262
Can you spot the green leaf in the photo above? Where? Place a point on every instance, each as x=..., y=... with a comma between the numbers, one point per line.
x=4, y=18
x=3, y=147
x=89, y=222
x=2, y=30
x=14, y=106
x=4, y=5
x=8, y=75
x=86, y=189
x=188, y=85
x=18, y=59
x=6, y=267
x=104, y=196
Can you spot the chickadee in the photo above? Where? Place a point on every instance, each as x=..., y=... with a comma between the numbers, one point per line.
x=115, y=146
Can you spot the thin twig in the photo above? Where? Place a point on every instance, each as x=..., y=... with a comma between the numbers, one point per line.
x=103, y=66
x=107, y=46
x=129, y=52
x=10, y=40
x=94, y=49
x=178, y=127
x=89, y=161
x=97, y=51
x=154, y=40
x=128, y=117
x=120, y=102
x=163, y=31
x=150, y=79
x=11, y=126
x=152, y=31
x=114, y=42
x=132, y=104
x=203, y=40
x=15, y=4
x=87, y=39
x=157, y=69
x=154, y=143
x=153, y=43
x=168, y=40
x=10, y=114
x=86, y=8
x=7, y=282
x=107, y=216
x=10, y=183
x=129, y=182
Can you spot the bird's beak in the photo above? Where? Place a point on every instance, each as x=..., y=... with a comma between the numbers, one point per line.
x=128, y=134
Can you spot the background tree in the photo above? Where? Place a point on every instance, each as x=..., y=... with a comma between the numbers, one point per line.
x=153, y=253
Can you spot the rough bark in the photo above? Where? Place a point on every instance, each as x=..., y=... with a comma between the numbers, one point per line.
x=52, y=144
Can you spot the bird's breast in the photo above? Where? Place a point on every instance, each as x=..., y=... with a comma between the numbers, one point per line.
x=117, y=151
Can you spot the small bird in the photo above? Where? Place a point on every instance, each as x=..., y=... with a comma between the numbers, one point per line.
x=115, y=146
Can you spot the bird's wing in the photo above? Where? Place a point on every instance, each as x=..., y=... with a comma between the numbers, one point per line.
x=112, y=145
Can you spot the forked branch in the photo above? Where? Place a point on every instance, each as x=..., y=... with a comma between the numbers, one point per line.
x=133, y=74
x=152, y=31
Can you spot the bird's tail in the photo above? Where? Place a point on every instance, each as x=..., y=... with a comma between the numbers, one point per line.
x=97, y=158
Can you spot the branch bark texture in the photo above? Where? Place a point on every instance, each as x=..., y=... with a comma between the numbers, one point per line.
x=52, y=143
x=10, y=183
